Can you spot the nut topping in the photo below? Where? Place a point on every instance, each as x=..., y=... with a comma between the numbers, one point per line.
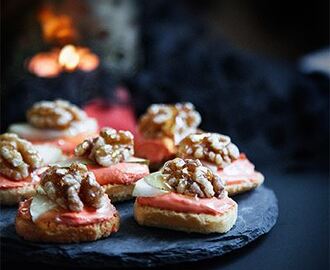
x=163, y=120
x=190, y=177
x=109, y=148
x=211, y=147
x=72, y=187
x=58, y=114
x=17, y=157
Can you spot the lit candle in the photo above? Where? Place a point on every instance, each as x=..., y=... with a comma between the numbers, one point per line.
x=69, y=58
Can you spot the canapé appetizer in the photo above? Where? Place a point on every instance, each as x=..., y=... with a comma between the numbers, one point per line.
x=58, y=123
x=161, y=128
x=70, y=206
x=184, y=195
x=21, y=163
x=110, y=157
x=221, y=155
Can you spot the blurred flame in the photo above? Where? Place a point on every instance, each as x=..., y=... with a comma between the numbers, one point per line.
x=56, y=28
x=69, y=57
x=88, y=60
x=50, y=64
x=59, y=29
x=45, y=64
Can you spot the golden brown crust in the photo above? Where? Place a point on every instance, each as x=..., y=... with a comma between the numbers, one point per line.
x=12, y=196
x=119, y=193
x=63, y=233
x=244, y=186
x=188, y=222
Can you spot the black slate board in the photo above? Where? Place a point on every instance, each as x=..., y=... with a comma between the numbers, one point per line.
x=134, y=245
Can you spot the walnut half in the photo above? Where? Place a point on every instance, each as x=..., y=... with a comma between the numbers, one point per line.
x=190, y=177
x=17, y=157
x=168, y=120
x=72, y=187
x=109, y=148
x=58, y=114
x=211, y=147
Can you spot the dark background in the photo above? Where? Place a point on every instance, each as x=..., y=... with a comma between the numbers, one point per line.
x=239, y=63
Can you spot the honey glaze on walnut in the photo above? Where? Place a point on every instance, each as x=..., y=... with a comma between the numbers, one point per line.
x=72, y=187
x=110, y=147
x=210, y=147
x=18, y=157
x=163, y=120
x=190, y=177
x=58, y=114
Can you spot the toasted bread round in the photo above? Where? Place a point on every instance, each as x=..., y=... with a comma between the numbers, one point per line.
x=234, y=189
x=188, y=222
x=118, y=192
x=63, y=233
x=12, y=196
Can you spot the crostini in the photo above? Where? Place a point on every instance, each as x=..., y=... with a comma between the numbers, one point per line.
x=110, y=157
x=221, y=155
x=70, y=206
x=161, y=128
x=58, y=123
x=21, y=162
x=186, y=196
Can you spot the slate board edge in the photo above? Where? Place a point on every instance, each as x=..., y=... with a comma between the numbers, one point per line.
x=146, y=259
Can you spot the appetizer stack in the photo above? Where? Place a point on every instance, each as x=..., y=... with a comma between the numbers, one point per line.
x=19, y=161
x=218, y=153
x=65, y=173
x=161, y=128
x=70, y=206
x=185, y=196
x=110, y=157
x=58, y=123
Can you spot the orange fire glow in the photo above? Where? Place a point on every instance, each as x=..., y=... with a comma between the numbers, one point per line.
x=88, y=60
x=45, y=64
x=56, y=28
x=69, y=58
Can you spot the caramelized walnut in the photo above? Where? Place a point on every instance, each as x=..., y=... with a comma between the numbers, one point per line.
x=109, y=148
x=72, y=187
x=58, y=114
x=211, y=147
x=163, y=120
x=190, y=177
x=17, y=156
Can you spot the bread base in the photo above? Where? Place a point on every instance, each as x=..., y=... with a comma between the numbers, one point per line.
x=244, y=186
x=12, y=196
x=63, y=233
x=188, y=222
